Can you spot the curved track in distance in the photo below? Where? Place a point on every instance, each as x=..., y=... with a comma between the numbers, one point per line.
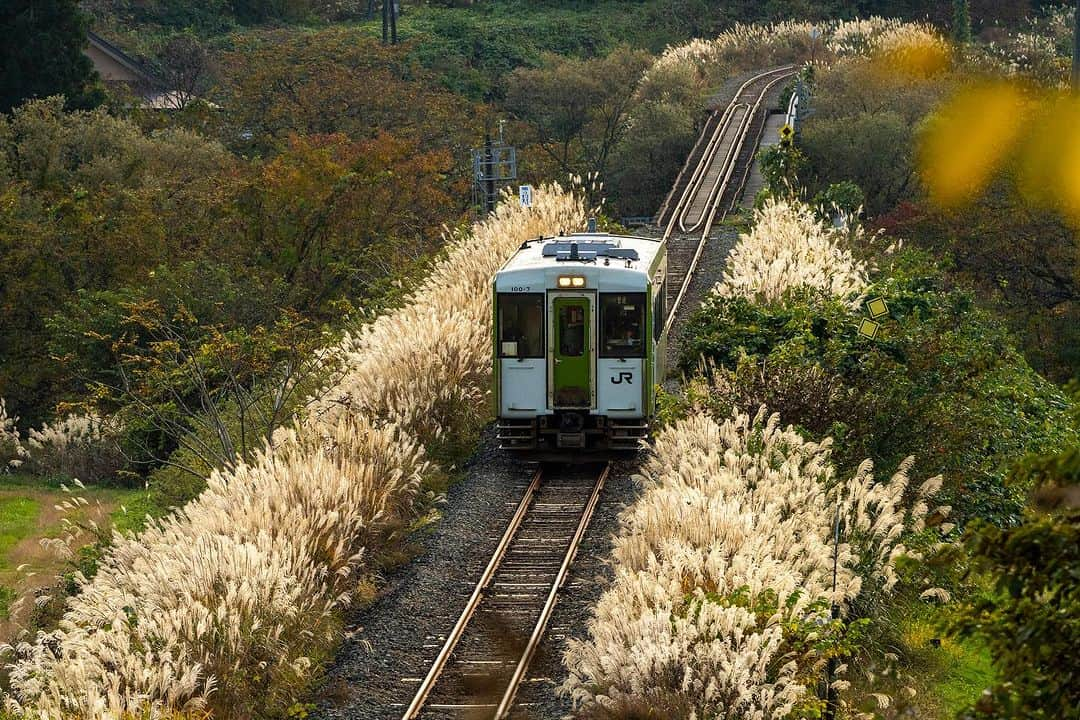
x=710, y=183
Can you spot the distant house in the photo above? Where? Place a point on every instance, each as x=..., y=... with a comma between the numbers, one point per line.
x=118, y=68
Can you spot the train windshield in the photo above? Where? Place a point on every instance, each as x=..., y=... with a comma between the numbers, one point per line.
x=622, y=319
x=521, y=325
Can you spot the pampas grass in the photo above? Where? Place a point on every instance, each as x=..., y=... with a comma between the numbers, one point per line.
x=788, y=248
x=12, y=452
x=761, y=45
x=230, y=603
x=83, y=446
x=741, y=506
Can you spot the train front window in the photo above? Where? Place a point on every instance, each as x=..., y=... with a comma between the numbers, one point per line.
x=521, y=325
x=622, y=319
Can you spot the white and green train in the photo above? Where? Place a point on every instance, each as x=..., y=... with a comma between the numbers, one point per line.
x=579, y=342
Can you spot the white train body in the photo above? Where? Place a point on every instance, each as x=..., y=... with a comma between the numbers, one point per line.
x=579, y=341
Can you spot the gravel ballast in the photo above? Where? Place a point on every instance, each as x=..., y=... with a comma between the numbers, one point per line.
x=387, y=639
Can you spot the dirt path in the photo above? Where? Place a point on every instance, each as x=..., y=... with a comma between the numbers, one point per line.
x=27, y=566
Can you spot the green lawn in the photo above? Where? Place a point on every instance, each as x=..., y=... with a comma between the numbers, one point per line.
x=18, y=519
x=29, y=513
x=952, y=675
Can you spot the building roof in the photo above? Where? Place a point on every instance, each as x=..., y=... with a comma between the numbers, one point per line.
x=120, y=57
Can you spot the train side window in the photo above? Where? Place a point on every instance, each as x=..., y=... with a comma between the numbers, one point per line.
x=622, y=319
x=521, y=325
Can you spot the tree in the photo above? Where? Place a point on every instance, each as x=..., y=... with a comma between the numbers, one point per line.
x=1030, y=619
x=217, y=393
x=339, y=80
x=42, y=54
x=578, y=109
x=184, y=66
x=961, y=22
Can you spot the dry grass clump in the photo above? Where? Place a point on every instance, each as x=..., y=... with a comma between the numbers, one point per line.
x=427, y=365
x=225, y=603
x=742, y=46
x=877, y=34
x=12, y=452
x=739, y=509
x=230, y=603
x=789, y=248
x=79, y=446
x=762, y=45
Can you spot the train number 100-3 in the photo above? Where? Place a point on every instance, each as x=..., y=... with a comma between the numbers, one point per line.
x=520, y=288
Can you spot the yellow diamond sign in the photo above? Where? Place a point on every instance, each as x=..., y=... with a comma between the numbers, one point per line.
x=877, y=308
x=786, y=132
x=868, y=328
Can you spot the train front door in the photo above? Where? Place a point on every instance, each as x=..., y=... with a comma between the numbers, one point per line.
x=571, y=351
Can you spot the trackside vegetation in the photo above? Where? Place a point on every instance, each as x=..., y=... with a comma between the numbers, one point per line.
x=251, y=336
x=231, y=603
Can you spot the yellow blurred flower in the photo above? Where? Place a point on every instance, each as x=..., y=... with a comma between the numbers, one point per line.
x=967, y=141
x=1050, y=161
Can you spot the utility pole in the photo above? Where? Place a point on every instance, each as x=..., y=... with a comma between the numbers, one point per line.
x=1076, y=50
x=393, y=21
x=489, y=184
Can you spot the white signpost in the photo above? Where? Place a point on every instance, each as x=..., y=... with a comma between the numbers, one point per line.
x=525, y=193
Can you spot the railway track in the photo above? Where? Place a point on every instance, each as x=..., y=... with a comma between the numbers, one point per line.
x=712, y=180
x=484, y=658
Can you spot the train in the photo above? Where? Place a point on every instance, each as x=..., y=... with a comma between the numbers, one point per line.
x=579, y=343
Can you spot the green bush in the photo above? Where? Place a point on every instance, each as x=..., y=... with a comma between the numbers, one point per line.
x=942, y=382
x=1030, y=618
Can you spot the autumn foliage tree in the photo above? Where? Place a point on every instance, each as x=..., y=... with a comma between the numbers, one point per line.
x=337, y=80
x=98, y=213
x=577, y=109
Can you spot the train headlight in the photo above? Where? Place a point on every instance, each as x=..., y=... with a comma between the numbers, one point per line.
x=567, y=281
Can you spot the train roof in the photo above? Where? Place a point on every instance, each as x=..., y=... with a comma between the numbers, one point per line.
x=577, y=249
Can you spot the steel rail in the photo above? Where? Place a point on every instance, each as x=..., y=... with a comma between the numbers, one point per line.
x=782, y=73
x=474, y=600
x=710, y=150
x=696, y=166
x=549, y=606
x=698, y=176
x=729, y=157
